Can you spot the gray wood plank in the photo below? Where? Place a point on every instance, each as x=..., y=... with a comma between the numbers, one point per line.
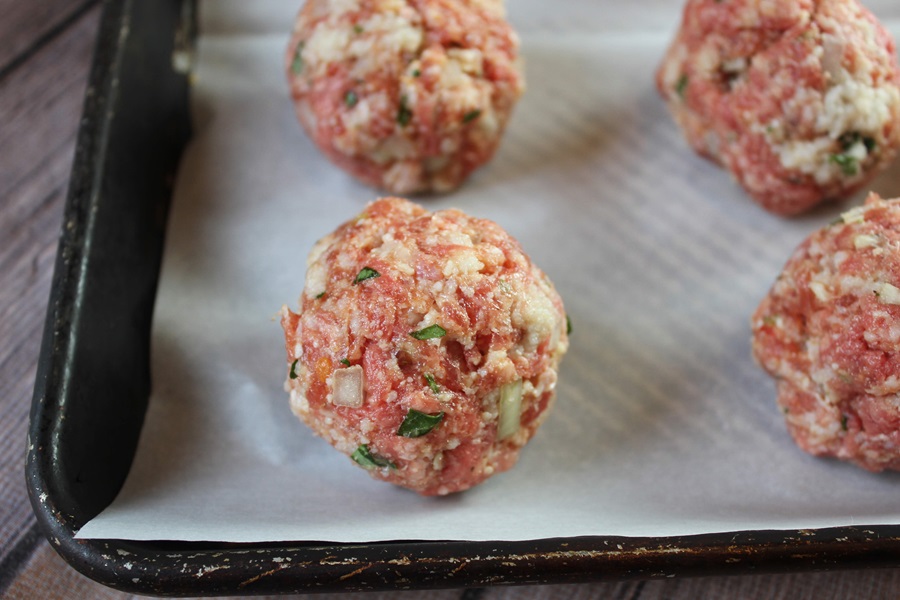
x=40, y=105
x=40, y=108
x=26, y=24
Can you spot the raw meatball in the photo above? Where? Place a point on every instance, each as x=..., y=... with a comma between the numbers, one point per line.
x=829, y=332
x=406, y=95
x=799, y=99
x=427, y=346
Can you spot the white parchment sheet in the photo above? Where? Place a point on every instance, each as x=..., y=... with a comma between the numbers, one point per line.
x=663, y=424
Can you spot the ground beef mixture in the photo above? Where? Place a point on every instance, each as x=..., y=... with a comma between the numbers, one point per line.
x=798, y=99
x=829, y=332
x=406, y=95
x=426, y=346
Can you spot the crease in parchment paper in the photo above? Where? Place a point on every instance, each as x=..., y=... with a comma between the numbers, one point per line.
x=663, y=425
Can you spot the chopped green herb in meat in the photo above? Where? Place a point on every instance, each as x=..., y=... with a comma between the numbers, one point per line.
x=366, y=459
x=471, y=115
x=416, y=424
x=297, y=63
x=404, y=115
x=846, y=162
x=681, y=86
x=293, y=374
x=366, y=273
x=848, y=140
x=429, y=333
x=350, y=99
x=432, y=383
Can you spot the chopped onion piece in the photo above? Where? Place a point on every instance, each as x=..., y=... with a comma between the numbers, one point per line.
x=887, y=293
x=833, y=57
x=348, y=387
x=510, y=409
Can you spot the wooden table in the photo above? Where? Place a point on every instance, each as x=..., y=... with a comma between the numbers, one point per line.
x=45, y=55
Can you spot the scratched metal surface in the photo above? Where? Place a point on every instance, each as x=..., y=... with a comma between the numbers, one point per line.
x=44, y=65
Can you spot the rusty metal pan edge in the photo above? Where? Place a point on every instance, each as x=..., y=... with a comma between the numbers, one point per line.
x=84, y=430
x=238, y=569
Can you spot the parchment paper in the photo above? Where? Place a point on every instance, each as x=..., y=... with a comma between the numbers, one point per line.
x=663, y=424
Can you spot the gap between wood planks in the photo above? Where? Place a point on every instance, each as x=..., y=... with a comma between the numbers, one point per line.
x=32, y=47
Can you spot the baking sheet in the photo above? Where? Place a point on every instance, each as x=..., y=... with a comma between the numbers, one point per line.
x=663, y=424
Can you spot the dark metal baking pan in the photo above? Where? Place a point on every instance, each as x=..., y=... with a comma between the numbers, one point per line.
x=93, y=385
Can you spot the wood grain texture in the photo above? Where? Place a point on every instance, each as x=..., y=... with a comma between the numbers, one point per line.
x=40, y=107
x=44, y=61
x=26, y=26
